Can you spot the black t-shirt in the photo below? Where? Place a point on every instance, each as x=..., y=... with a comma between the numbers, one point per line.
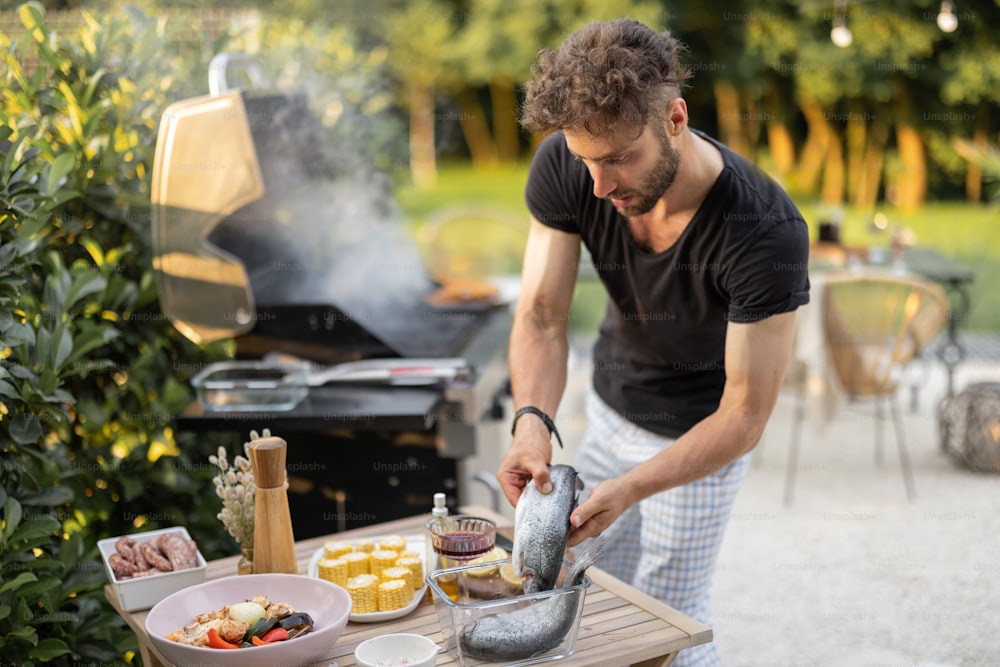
x=659, y=359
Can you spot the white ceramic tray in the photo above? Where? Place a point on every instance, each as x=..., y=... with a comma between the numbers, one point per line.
x=413, y=543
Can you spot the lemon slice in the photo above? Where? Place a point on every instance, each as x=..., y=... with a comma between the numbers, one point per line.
x=509, y=578
x=496, y=554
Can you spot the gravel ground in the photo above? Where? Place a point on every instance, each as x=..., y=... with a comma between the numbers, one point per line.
x=853, y=574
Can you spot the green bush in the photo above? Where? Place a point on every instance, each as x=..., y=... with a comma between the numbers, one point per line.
x=91, y=373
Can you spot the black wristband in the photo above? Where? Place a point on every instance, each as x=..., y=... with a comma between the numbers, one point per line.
x=549, y=424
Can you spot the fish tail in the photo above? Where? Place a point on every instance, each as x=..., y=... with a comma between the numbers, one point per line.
x=590, y=555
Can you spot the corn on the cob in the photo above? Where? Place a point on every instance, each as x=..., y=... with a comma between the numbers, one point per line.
x=364, y=593
x=409, y=554
x=336, y=548
x=335, y=570
x=394, y=594
x=416, y=567
x=357, y=563
x=396, y=572
x=380, y=559
x=395, y=543
x=366, y=546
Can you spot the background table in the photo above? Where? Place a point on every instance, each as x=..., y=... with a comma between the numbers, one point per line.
x=620, y=624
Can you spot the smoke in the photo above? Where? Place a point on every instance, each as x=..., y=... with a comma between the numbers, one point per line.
x=327, y=230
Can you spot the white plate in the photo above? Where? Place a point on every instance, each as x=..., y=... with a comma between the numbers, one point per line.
x=413, y=543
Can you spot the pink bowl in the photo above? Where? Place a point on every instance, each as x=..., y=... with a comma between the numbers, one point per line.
x=328, y=604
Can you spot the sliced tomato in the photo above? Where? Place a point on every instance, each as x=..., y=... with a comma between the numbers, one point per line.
x=215, y=641
x=275, y=635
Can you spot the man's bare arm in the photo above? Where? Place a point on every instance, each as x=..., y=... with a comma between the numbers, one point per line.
x=538, y=351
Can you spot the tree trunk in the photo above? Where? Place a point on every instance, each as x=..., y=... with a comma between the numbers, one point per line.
x=423, y=161
x=780, y=143
x=867, y=187
x=727, y=101
x=832, y=191
x=781, y=147
x=505, y=127
x=751, y=126
x=475, y=129
x=912, y=186
x=816, y=146
x=974, y=171
x=857, y=138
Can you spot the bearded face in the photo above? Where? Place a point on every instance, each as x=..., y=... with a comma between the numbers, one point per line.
x=633, y=171
x=656, y=181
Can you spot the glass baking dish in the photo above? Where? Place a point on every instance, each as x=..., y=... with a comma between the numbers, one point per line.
x=529, y=628
x=252, y=386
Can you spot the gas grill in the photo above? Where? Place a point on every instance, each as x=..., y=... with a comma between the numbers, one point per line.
x=264, y=235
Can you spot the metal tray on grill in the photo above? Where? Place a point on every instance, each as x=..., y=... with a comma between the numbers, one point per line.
x=272, y=386
x=251, y=386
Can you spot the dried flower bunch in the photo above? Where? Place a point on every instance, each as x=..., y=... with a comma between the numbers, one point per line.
x=234, y=484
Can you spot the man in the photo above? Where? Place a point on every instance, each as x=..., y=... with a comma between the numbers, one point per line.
x=704, y=260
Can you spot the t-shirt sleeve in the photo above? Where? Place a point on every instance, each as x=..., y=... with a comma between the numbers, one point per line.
x=772, y=276
x=552, y=180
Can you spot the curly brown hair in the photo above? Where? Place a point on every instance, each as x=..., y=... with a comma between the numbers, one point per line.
x=603, y=76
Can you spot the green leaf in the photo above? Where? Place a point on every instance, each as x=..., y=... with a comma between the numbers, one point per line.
x=35, y=532
x=64, y=347
x=47, y=649
x=18, y=334
x=37, y=588
x=24, y=205
x=31, y=226
x=91, y=340
x=4, y=611
x=8, y=162
x=62, y=166
x=8, y=390
x=25, y=429
x=88, y=95
x=87, y=284
x=18, y=581
x=25, y=633
x=52, y=496
x=11, y=517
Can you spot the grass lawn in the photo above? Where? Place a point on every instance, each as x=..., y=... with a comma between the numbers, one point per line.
x=969, y=233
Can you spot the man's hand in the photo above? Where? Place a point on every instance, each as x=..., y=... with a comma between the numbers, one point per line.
x=607, y=502
x=527, y=458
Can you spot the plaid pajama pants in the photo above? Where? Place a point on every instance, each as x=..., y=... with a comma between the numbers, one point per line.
x=667, y=544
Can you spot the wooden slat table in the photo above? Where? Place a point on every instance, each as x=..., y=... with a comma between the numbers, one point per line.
x=620, y=625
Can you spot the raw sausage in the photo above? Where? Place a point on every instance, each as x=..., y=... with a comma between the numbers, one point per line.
x=122, y=568
x=167, y=553
x=181, y=553
x=155, y=558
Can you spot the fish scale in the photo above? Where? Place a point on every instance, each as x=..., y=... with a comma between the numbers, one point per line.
x=541, y=528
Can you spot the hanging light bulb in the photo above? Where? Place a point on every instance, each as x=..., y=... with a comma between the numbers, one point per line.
x=946, y=18
x=841, y=34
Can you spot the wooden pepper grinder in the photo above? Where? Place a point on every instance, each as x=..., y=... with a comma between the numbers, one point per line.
x=273, y=542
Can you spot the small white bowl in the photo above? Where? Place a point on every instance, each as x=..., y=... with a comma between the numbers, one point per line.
x=397, y=650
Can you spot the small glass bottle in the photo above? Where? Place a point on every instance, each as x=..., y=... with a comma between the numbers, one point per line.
x=435, y=561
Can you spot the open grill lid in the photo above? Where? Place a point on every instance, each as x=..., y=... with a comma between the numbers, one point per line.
x=258, y=235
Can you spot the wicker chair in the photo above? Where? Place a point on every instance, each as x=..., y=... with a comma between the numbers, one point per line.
x=874, y=327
